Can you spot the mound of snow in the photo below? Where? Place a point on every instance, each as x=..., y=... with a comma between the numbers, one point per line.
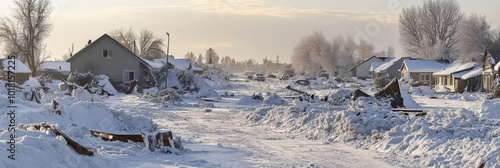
x=32, y=82
x=422, y=90
x=103, y=80
x=274, y=99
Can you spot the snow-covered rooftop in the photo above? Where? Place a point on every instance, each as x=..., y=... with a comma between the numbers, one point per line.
x=19, y=66
x=61, y=66
x=477, y=71
x=375, y=65
x=424, y=65
x=387, y=65
x=457, y=67
x=178, y=63
x=494, y=56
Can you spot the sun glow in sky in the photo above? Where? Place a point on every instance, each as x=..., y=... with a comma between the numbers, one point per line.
x=241, y=29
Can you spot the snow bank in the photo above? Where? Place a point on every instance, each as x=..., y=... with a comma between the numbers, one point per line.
x=35, y=148
x=274, y=99
x=422, y=90
x=32, y=82
x=442, y=137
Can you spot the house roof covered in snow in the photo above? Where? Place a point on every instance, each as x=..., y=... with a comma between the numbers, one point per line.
x=387, y=65
x=455, y=68
x=477, y=71
x=375, y=65
x=424, y=65
x=178, y=63
x=493, y=55
x=61, y=66
x=19, y=66
x=372, y=57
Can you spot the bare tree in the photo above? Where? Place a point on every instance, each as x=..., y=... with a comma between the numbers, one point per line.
x=126, y=37
x=391, y=52
x=314, y=53
x=150, y=45
x=365, y=49
x=306, y=57
x=25, y=32
x=475, y=36
x=145, y=44
x=191, y=56
x=431, y=31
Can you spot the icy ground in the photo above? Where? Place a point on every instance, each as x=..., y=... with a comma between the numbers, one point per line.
x=234, y=130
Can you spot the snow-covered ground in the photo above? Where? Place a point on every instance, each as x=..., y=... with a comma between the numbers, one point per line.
x=235, y=130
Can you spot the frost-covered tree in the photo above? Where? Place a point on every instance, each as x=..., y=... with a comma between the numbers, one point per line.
x=199, y=60
x=26, y=29
x=315, y=52
x=391, y=51
x=431, y=30
x=365, y=49
x=476, y=36
x=306, y=57
x=211, y=57
x=191, y=56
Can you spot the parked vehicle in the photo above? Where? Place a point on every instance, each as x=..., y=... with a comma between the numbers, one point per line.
x=259, y=77
x=249, y=74
x=283, y=76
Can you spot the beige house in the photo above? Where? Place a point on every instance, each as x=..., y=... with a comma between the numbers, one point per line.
x=421, y=70
x=451, y=77
x=490, y=70
x=108, y=57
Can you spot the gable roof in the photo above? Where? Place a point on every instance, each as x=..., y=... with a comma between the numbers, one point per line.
x=388, y=65
x=106, y=36
x=20, y=67
x=424, y=65
x=455, y=68
x=375, y=65
x=492, y=55
x=477, y=71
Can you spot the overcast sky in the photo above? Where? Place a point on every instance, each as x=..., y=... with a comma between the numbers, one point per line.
x=241, y=29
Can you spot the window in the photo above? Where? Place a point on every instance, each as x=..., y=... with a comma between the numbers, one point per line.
x=128, y=76
x=106, y=53
x=424, y=77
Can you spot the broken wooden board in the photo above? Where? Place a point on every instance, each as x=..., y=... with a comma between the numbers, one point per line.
x=73, y=144
x=391, y=90
x=213, y=100
x=118, y=137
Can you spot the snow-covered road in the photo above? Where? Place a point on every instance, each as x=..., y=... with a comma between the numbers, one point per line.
x=221, y=138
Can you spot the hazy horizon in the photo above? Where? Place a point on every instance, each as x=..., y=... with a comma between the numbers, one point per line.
x=236, y=28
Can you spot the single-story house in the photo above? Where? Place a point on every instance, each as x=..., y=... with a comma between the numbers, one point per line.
x=451, y=77
x=22, y=72
x=56, y=69
x=108, y=57
x=362, y=69
x=421, y=70
x=490, y=70
x=390, y=69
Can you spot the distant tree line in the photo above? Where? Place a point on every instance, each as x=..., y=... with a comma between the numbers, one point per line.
x=229, y=64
